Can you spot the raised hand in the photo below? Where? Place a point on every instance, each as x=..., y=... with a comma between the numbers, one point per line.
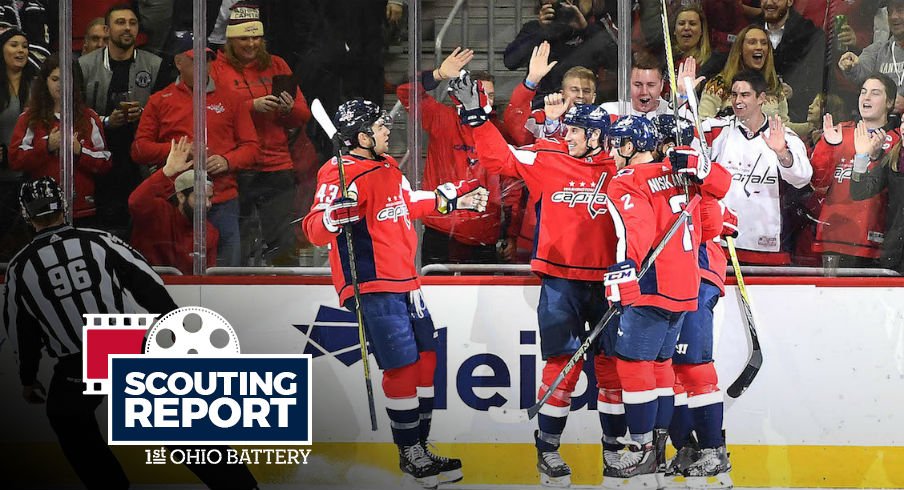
x=554, y=105
x=578, y=21
x=453, y=64
x=178, y=159
x=868, y=142
x=547, y=14
x=470, y=99
x=848, y=60
x=539, y=65
x=688, y=69
x=776, y=139
x=830, y=132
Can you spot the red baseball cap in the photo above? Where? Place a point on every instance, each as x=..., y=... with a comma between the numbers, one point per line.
x=191, y=54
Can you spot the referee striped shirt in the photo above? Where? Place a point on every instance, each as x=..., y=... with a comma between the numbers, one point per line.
x=65, y=273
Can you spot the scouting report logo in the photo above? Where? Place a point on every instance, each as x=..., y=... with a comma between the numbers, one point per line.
x=184, y=381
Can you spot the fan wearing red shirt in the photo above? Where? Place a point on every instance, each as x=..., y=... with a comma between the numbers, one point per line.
x=850, y=233
x=380, y=206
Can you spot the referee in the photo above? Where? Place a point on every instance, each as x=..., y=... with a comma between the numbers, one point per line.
x=64, y=273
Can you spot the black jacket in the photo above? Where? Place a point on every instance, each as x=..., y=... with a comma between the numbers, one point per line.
x=800, y=61
x=864, y=186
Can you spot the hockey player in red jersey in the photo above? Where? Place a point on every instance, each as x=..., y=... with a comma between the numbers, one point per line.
x=643, y=199
x=850, y=233
x=698, y=401
x=574, y=245
x=380, y=208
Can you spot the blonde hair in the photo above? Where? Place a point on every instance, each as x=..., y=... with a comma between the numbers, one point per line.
x=735, y=63
x=703, y=50
x=263, y=58
x=580, y=73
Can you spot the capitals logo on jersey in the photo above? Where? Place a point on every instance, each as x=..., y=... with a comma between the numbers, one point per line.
x=582, y=192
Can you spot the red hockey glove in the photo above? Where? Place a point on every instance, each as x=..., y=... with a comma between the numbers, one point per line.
x=685, y=160
x=621, y=284
x=466, y=194
x=729, y=221
x=341, y=211
x=470, y=99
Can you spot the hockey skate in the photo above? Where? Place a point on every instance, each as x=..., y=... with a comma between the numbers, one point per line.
x=710, y=470
x=554, y=472
x=660, y=440
x=635, y=468
x=674, y=472
x=414, y=463
x=449, y=468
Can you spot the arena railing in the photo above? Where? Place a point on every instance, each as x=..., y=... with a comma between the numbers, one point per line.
x=750, y=270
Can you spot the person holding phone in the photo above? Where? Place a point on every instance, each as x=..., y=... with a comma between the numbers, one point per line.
x=265, y=82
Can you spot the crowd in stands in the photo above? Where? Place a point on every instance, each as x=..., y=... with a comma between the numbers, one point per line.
x=833, y=72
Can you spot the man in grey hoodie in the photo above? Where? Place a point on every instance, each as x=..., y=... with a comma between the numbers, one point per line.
x=883, y=56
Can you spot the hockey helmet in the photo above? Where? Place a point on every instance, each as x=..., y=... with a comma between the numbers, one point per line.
x=358, y=116
x=40, y=198
x=665, y=126
x=636, y=129
x=588, y=116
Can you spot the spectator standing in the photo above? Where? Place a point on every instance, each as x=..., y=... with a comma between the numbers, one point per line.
x=118, y=80
x=887, y=177
x=850, y=233
x=575, y=38
x=799, y=53
x=16, y=74
x=163, y=209
x=751, y=51
x=763, y=157
x=35, y=145
x=265, y=82
x=884, y=56
x=452, y=157
x=690, y=39
x=231, y=144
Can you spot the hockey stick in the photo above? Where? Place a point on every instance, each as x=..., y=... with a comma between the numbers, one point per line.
x=755, y=358
x=673, y=86
x=511, y=415
x=324, y=120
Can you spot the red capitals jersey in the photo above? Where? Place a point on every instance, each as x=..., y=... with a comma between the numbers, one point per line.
x=847, y=226
x=710, y=255
x=574, y=239
x=385, y=240
x=645, y=200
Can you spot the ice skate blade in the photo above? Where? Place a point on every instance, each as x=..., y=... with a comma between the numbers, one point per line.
x=555, y=481
x=722, y=480
x=636, y=482
x=508, y=415
x=430, y=482
x=672, y=481
x=451, y=476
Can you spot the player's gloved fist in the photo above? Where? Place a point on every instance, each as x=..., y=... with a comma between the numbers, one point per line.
x=341, y=211
x=621, y=284
x=687, y=161
x=729, y=221
x=466, y=194
x=470, y=99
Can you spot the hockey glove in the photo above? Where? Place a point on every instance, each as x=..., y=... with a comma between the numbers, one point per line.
x=470, y=99
x=621, y=284
x=341, y=211
x=686, y=161
x=34, y=393
x=466, y=194
x=729, y=221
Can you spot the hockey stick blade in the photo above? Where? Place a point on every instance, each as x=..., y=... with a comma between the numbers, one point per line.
x=509, y=415
x=323, y=119
x=746, y=377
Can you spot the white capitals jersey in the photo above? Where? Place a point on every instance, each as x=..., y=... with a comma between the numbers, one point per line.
x=756, y=171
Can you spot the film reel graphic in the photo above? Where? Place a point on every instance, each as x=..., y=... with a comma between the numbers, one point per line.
x=192, y=331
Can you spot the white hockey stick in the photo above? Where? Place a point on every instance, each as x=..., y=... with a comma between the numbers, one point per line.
x=323, y=119
x=513, y=415
x=755, y=357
